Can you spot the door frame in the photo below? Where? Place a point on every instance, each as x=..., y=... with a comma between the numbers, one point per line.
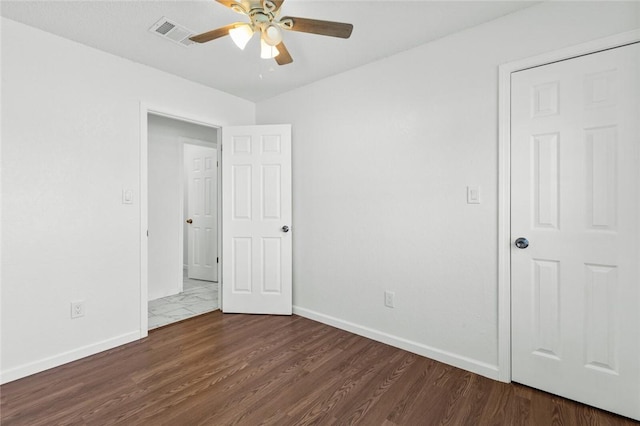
x=504, y=176
x=143, y=190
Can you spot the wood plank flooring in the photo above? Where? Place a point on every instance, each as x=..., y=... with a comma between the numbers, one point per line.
x=220, y=369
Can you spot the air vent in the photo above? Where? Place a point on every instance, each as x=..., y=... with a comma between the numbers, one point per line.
x=176, y=33
x=165, y=27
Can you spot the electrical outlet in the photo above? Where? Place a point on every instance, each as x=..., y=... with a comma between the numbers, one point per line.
x=77, y=309
x=388, y=298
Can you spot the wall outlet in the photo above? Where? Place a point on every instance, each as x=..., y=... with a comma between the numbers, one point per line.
x=388, y=298
x=77, y=309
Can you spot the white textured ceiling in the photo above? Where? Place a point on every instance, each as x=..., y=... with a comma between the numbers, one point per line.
x=381, y=29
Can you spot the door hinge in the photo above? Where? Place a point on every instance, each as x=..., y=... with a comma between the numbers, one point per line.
x=147, y=232
x=217, y=260
x=217, y=164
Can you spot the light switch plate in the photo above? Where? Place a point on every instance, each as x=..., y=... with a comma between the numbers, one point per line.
x=127, y=196
x=473, y=195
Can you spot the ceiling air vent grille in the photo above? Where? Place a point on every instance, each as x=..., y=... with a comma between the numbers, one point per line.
x=176, y=33
x=165, y=27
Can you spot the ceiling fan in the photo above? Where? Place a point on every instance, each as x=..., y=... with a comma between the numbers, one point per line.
x=264, y=16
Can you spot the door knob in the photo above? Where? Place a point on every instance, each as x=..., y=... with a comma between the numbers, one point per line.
x=285, y=228
x=189, y=221
x=522, y=243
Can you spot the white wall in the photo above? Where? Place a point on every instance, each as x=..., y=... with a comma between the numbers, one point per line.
x=166, y=196
x=382, y=156
x=70, y=144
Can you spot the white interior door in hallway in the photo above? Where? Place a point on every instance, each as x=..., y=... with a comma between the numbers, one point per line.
x=256, y=220
x=202, y=217
x=575, y=161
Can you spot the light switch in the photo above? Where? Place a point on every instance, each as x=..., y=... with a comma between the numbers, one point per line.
x=473, y=195
x=127, y=196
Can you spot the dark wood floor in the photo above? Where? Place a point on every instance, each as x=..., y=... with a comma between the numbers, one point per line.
x=248, y=370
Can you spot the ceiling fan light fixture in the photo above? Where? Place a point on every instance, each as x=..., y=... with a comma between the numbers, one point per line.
x=241, y=35
x=267, y=51
x=272, y=34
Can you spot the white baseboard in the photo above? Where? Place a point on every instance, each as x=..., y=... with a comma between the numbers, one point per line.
x=65, y=357
x=469, y=364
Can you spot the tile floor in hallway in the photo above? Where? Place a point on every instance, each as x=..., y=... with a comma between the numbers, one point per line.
x=196, y=298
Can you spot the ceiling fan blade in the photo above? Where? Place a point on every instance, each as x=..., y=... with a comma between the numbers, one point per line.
x=283, y=57
x=278, y=4
x=213, y=34
x=245, y=5
x=316, y=26
x=227, y=3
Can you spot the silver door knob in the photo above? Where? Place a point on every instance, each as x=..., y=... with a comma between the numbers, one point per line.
x=285, y=228
x=522, y=243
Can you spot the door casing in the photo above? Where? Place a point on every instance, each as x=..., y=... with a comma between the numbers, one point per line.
x=145, y=110
x=504, y=177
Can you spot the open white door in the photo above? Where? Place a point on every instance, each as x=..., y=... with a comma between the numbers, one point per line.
x=256, y=219
x=202, y=217
x=575, y=197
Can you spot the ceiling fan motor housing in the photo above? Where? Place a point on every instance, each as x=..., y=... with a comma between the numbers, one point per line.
x=265, y=19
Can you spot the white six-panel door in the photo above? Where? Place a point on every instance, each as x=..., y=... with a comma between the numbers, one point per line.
x=256, y=220
x=202, y=212
x=576, y=198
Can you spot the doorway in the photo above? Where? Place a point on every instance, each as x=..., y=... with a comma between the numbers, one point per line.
x=182, y=219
